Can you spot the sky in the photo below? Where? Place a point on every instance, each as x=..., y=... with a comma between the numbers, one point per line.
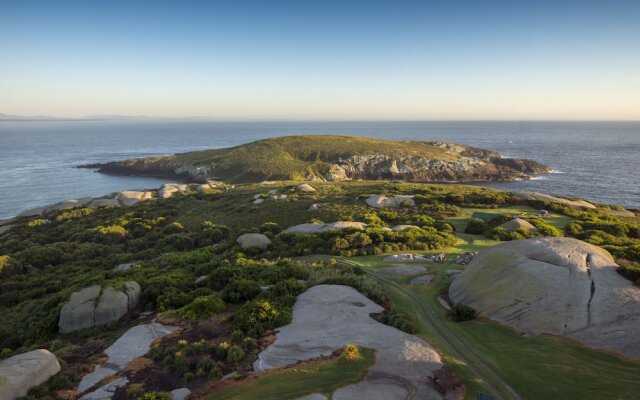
x=317, y=60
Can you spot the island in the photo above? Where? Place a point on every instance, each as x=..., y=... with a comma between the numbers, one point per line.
x=332, y=158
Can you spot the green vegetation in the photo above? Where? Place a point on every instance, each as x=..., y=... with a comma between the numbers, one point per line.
x=249, y=292
x=291, y=157
x=323, y=376
x=461, y=312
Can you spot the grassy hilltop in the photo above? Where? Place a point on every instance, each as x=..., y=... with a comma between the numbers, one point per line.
x=326, y=157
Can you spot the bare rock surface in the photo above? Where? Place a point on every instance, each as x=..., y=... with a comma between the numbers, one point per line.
x=106, y=391
x=170, y=189
x=131, y=197
x=405, y=270
x=306, y=229
x=560, y=286
x=180, y=394
x=79, y=312
x=254, y=240
x=407, y=258
x=306, y=188
x=327, y=317
x=518, y=224
x=94, y=306
x=313, y=396
x=21, y=372
x=382, y=201
x=554, y=199
x=400, y=228
x=132, y=344
x=421, y=280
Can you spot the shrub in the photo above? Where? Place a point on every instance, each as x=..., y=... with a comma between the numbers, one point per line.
x=350, y=352
x=174, y=227
x=461, y=312
x=270, y=227
x=113, y=234
x=476, y=226
x=202, y=307
x=235, y=354
x=9, y=267
x=399, y=320
x=258, y=316
x=240, y=290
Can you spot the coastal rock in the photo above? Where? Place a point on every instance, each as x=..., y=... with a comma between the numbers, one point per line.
x=123, y=267
x=94, y=306
x=518, y=224
x=305, y=187
x=254, y=240
x=305, y=229
x=106, y=391
x=421, y=280
x=79, y=312
x=579, y=203
x=382, y=201
x=56, y=207
x=112, y=305
x=170, y=189
x=336, y=173
x=132, y=344
x=327, y=317
x=21, y=372
x=180, y=394
x=131, y=197
x=558, y=286
x=400, y=228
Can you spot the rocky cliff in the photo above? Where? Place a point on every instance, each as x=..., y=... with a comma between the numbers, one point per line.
x=333, y=158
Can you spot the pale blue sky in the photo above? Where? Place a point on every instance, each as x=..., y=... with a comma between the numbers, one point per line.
x=322, y=59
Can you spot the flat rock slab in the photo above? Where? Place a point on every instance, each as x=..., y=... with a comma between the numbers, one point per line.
x=422, y=280
x=106, y=392
x=405, y=270
x=132, y=344
x=407, y=258
x=180, y=394
x=327, y=317
x=313, y=396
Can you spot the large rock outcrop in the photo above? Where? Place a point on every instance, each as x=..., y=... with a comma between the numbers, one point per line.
x=93, y=306
x=307, y=229
x=559, y=286
x=20, y=373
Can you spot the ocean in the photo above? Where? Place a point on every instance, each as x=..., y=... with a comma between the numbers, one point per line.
x=598, y=161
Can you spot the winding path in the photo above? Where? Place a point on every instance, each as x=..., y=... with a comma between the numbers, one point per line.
x=454, y=344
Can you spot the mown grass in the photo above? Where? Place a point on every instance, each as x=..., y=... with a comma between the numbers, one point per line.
x=290, y=383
